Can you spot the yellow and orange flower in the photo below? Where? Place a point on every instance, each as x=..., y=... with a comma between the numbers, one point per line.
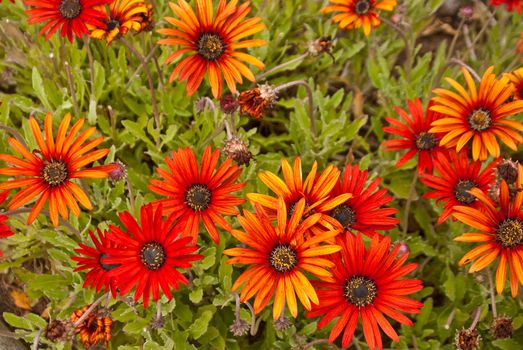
x=516, y=78
x=94, y=329
x=500, y=233
x=48, y=171
x=359, y=13
x=478, y=116
x=121, y=17
x=316, y=190
x=212, y=43
x=279, y=256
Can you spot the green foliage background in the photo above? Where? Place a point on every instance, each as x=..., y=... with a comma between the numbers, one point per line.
x=353, y=93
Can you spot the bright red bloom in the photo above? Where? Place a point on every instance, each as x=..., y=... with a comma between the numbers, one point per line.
x=152, y=252
x=70, y=16
x=501, y=234
x=415, y=135
x=456, y=177
x=91, y=259
x=5, y=231
x=364, y=211
x=193, y=193
x=367, y=284
x=512, y=5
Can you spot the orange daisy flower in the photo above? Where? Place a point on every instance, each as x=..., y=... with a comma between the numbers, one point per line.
x=516, y=78
x=279, y=257
x=501, y=234
x=120, y=18
x=367, y=284
x=48, y=171
x=212, y=43
x=358, y=13
x=479, y=115
x=194, y=193
x=315, y=189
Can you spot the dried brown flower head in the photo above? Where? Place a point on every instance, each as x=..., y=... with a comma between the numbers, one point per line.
x=237, y=150
x=321, y=45
x=508, y=170
x=467, y=339
x=59, y=330
x=502, y=327
x=239, y=328
x=256, y=101
x=228, y=104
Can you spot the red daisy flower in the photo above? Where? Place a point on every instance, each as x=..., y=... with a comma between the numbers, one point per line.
x=501, y=234
x=70, y=16
x=416, y=136
x=193, y=193
x=153, y=251
x=91, y=259
x=512, y=5
x=367, y=284
x=456, y=177
x=364, y=211
x=5, y=231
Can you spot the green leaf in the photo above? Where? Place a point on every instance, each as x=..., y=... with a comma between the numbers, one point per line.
x=196, y=295
x=39, y=89
x=200, y=325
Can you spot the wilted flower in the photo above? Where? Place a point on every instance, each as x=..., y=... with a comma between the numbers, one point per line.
x=254, y=102
x=239, y=327
x=237, y=150
x=59, y=330
x=119, y=173
x=467, y=339
x=502, y=327
x=228, y=104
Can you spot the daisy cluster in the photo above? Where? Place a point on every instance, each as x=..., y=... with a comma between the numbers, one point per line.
x=318, y=240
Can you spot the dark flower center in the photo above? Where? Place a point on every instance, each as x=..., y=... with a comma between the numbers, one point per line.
x=426, y=141
x=510, y=233
x=362, y=7
x=360, y=291
x=198, y=197
x=106, y=267
x=111, y=24
x=283, y=258
x=461, y=191
x=70, y=9
x=55, y=173
x=210, y=46
x=480, y=119
x=153, y=255
x=344, y=214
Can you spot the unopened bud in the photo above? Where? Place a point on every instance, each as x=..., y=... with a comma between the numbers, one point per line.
x=118, y=174
x=228, y=104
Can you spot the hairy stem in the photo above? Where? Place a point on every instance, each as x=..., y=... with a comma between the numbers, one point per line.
x=475, y=321
x=409, y=202
x=15, y=134
x=151, y=87
x=146, y=60
x=310, y=99
x=492, y=296
x=37, y=339
x=281, y=66
x=72, y=91
x=89, y=310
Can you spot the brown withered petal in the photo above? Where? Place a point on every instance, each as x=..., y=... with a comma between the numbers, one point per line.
x=237, y=150
x=467, y=339
x=254, y=102
x=502, y=327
